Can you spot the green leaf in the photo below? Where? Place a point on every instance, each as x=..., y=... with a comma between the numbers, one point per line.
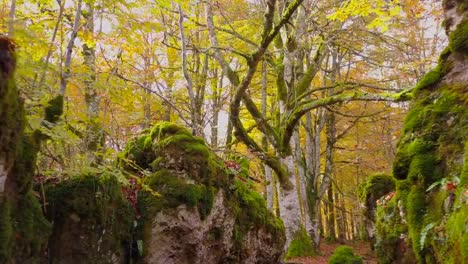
x=424, y=232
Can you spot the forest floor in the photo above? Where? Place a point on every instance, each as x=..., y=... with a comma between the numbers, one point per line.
x=326, y=250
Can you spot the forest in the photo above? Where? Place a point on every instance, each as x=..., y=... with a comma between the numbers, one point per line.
x=241, y=131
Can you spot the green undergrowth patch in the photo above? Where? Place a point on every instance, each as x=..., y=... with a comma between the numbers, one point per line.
x=344, y=255
x=301, y=245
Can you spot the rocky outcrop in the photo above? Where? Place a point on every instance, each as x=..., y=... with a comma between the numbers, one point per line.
x=202, y=213
x=427, y=220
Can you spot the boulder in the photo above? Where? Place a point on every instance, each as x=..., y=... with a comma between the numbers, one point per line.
x=193, y=209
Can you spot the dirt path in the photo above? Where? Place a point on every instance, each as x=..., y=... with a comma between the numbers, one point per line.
x=326, y=249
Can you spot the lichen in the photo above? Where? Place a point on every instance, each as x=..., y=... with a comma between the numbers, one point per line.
x=344, y=255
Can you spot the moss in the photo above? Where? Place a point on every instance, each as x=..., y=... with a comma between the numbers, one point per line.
x=401, y=164
x=301, y=245
x=32, y=229
x=25, y=163
x=462, y=6
x=98, y=200
x=94, y=208
x=464, y=172
x=164, y=129
x=252, y=208
x=413, y=118
x=377, y=186
x=172, y=192
x=160, y=145
x=416, y=207
x=54, y=109
x=423, y=168
x=250, y=211
x=6, y=230
x=457, y=227
x=458, y=39
x=431, y=78
x=389, y=228
x=344, y=255
x=435, y=206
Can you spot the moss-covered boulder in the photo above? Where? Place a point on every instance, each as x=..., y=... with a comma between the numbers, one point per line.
x=427, y=217
x=92, y=221
x=192, y=209
x=344, y=255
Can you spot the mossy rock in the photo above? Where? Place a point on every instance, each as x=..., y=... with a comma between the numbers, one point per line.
x=458, y=39
x=169, y=146
x=344, y=255
x=177, y=168
x=93, y=222
x=376, y=186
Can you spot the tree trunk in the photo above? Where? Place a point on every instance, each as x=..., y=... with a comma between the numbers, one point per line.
x=341, y=217
x=94, y=138
x=331, y=228
x=11, y=18
x=290, y=211
x=301, y=170
x=65, y=73
x=314, y=128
